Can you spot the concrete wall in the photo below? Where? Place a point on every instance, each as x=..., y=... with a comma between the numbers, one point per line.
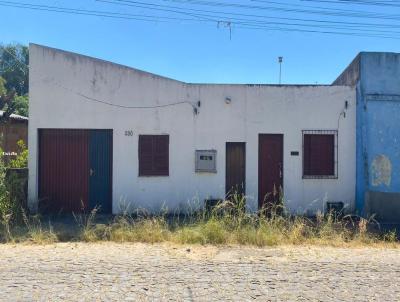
x=351, y=75
x=376, y=77
x=61, y=82
x=379, y=110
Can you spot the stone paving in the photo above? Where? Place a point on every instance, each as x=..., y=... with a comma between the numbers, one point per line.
x=140, y=272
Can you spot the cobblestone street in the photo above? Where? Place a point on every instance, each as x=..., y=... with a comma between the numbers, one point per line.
x=140, y=272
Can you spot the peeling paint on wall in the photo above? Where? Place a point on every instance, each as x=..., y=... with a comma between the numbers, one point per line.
x=381, y=170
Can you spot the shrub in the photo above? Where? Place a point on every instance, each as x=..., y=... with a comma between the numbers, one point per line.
x=21, y=161
x=36, y=233
x=10, y=210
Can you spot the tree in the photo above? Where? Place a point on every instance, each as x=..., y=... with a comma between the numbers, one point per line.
x=6, y=101
x=14, y=80
x=14, y=60
x=21, y=104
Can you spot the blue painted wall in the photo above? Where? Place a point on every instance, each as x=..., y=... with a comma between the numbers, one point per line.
x=362, y=180
x=378, y=131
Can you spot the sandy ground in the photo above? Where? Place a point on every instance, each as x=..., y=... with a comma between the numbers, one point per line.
x=142, y=272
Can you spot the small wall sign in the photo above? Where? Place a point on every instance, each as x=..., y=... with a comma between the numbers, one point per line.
x=128, y=133
x=294, y=153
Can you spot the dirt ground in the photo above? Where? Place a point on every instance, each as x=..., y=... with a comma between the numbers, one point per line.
x=142, y=272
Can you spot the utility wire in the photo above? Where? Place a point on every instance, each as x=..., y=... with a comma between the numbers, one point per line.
x=23, y=66
x=137, y=17
x=198, y=16
x=256, y=24
x=107, y=14
x=175, y=9
x=365, y=3
x=82, y=95
x=228, y=16
x=352, y=13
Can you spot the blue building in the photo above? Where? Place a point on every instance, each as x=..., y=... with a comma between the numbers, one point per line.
x=376, y=77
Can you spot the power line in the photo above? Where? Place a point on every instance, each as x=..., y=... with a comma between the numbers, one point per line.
x=228, y=15
x=314, y=11
x=365, y=3
x=175, y=9
x=107, y=14
x=26, y=67
x=251, y=23
x=97, y=100
x=207, y=16
x=198, y=17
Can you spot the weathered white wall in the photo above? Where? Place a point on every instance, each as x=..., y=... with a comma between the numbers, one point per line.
x=57, y=78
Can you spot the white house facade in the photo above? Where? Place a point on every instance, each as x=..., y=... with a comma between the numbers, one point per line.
x=102, y=133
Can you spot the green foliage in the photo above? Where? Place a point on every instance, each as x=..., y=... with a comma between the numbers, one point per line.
x=227, y=223
x=14, y=59
x=12, y=194
x=21, y=161
x=10, y=210
x=21, y=105
x=6, y=100
x=36, y=233
x=390, y=236
x=14, y=80
x=3, y=89
x=5, y=207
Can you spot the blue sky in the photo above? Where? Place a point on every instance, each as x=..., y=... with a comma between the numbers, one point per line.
x=194, y=51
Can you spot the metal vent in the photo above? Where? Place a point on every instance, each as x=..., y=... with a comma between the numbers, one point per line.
x=335, y=207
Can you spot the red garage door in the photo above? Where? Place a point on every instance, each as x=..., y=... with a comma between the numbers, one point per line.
x=63, y=170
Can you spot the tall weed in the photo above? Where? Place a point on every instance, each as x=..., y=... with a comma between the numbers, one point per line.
x=226, y=223
x=9, y=208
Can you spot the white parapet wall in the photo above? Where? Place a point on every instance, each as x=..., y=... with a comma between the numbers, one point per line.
x=71, y=91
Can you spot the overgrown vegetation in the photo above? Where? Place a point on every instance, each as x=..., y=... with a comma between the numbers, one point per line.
x=9, y=209
x=227, y=223
x=21, y=161
x=12, y=195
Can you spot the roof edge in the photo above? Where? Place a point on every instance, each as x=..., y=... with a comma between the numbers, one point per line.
x=337, y=82
x=351, y=74
x=102, y=61
x=14, y=116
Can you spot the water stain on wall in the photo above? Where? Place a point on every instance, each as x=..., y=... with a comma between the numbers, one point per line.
x=381, y=170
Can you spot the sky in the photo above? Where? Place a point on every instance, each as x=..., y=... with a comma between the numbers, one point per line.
x=212, y=41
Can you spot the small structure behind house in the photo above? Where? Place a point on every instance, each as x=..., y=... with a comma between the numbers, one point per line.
x=14, y=129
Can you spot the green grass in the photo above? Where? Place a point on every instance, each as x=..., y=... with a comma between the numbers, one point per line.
x=228, y=223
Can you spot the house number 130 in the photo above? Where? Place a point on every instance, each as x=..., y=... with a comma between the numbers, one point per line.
x=128, y=133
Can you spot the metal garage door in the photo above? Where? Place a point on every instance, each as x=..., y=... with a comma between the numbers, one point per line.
x=75, y=170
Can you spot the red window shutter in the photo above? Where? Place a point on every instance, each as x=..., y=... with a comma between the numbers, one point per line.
x=161, y=155
x=153, y=155
x=319, y=155
x=145, y=155
x=307, y=155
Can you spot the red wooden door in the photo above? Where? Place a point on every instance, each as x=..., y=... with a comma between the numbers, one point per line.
x=270, y=168
x=63, y=170
x=235, y=178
